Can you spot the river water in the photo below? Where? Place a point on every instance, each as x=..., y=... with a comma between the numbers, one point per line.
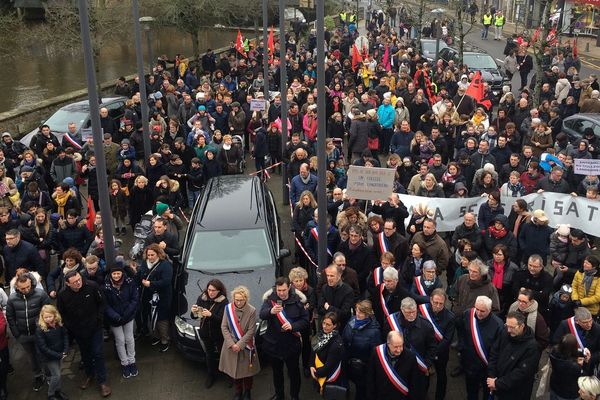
x=40, y=76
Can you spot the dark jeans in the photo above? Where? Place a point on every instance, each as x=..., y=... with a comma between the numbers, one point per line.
x=476, y=383
x=292, y=364
x=441, y=378
x=213, y=349
x=385, y=139
x=523, y=75
x=92, y=355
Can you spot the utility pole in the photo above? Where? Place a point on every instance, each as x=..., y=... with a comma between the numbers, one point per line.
x=265, y=15
x=140, y=67
x=105, y=212
x=321, y=120
x=283, y=94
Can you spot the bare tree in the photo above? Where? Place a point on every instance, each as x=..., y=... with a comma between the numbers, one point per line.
x=539, y=46
x=420, y=16
x=462, y=13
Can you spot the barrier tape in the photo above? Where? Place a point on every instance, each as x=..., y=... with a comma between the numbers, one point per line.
x=184, y=217
x=297, y=240
x=265, y=169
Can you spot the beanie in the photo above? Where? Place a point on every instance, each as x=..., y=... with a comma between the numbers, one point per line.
x=161, y=208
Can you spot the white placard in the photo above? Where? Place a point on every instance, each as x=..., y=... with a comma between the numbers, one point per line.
x=369, y=183
x=257, y=105
x=587, y=167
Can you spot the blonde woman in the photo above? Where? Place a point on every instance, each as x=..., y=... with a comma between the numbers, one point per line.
x=53, y=344
x=238, y=355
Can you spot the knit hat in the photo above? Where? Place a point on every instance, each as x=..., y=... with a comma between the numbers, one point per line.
x=201, y=108
x=563, y=229
x=27, y=168
x=119, y=265
x=5, y=134
x=125, y=141
x=161, y=208
x=371, y=113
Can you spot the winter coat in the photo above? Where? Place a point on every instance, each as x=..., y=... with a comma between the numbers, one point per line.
x=418, y=335
x=379, y=386
x=298, y=186
x=408, y=271
x=436, y=191
x=486, y=215
x=360, y=340
x=56, y=278
x=340, y=299
x=160, y=278
x=561, y=91
x=565, y=372
x=473, y=234
x=140, y=202
x=210, y=327
x=82, y=311
x=558, y=249
x=277, y=343
x=62, y=169
x=22, y=311
x=122, y=303
x=118, y=204
x=238, y=365
x=23, y=254
x=540, y=285
x=359, y=134
x=490, y=328
x=52, y=343
x=510, y=268
x=589, y=299
x=301, y=217
x=331, y=355
x=436, y=248
x=534, y=239
x=468, y=291
x=508, y=240
x=514, y=363
x=76, y=235
x=360, y=259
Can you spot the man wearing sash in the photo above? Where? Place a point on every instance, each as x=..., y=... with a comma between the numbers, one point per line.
x=390, y=240
x=587, y=332
x=482, y=329
x=286, y=317
x=389, y=295
x=443, y=324
x=417, y=332
x=514, y=360
x=393, y=373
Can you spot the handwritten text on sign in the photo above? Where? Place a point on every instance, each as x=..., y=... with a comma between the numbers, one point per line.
x=368, y=183
x=587, y=167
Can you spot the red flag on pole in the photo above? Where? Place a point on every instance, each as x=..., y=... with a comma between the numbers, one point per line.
x=271, y=46
x=356, y=57
x=239, y=44
x=91, y=215
x=386, y=59
x=575, y=53
x=475, y=89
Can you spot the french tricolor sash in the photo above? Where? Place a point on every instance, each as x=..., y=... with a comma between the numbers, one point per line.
x=378, y=276
x=573, y=328
x=384, y=308
x=382, y=241
x=72, y=141
x=315, y=233
x=395, y=326
x=236, y=328
x=389, y=370
x=419, y=286
x=427, y=314
x=283, y=319
x=476, y=337
x=335, y=374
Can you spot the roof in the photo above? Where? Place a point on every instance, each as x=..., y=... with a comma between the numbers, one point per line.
x=591, y=116
x=84, y=105
x=231, y=202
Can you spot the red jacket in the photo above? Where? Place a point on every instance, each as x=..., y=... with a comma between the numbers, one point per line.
x=3, y=333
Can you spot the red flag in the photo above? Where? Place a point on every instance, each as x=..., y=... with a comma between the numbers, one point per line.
x=386, y=59
x=551, y=38
x=239, y=44
x=91, y=215
x=536, y=36
x=575, y=54
x=271, y=46
x=356, y=57
x=475, y=89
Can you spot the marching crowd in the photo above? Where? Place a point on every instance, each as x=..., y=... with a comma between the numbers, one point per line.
x=514, y=297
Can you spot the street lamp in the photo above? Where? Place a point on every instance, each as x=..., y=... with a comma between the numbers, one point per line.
x=146, y=22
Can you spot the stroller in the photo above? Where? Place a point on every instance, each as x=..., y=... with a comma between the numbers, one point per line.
x=238, y=141
x=140, y=232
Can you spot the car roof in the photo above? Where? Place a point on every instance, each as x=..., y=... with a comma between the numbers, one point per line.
x=591, y=116
x=84, y=105
x=231, y=202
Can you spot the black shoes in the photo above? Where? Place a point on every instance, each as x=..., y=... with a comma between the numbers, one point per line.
x=38, y=382
x=163, y=347
x=210, y=380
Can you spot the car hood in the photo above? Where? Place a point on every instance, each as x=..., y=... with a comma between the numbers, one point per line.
x=257, y=281
x=489, y=75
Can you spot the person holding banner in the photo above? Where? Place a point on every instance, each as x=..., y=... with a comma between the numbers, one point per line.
x=393, y=373
x=587, y=333
x=238, y=355
x=327, y=357
x=283, y=310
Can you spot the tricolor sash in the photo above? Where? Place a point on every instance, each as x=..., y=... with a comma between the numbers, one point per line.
x=335, y=374
x=378, y=276
x=389, y=370
x=395, y=326
x=72, y=141
x=384, y=308
x=315, y=233
x=476, y=337
x=419, y=286
x=573, y=328
x=236, y=328
x=382, y=242
x=283, y=319
x=427, y=314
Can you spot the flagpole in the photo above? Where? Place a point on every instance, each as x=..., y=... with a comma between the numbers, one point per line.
x=283, y=94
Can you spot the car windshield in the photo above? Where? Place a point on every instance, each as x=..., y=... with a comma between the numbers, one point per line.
x=59, y=121
x=479, y=61
x=429, y=47
x=231, y=250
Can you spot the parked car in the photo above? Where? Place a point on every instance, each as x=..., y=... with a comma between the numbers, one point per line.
x=79, y=113
x=482, y=62
x=234, y=235
x=428, y=49
x=574, y=125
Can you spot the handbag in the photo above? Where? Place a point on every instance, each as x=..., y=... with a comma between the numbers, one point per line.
x=232, y=167
x=356, y=368
x=373, y=143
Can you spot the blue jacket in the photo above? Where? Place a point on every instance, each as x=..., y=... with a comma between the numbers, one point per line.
x=121, y=304
x=297, y=187
x=386, y=115
x=400, y=143
x=361, y=340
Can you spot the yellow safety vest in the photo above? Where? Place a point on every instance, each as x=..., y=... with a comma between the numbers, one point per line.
x=352, y=18
x=343, y=16
x=487, y=19
x=500, y=20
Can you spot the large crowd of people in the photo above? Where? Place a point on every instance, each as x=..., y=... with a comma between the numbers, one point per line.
x=514, y=297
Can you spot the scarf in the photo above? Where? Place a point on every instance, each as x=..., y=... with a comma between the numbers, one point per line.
x=428, y=238
x=588, y=278
x=359, y=323
x=515, y=190
x=497, y=233
x=61, y=201
x=305, y=180
x=498, y=277
x=518, y=220
x=418, y=262
x=530, y=313
x=448, y=177
x=67, y=270
x=323, y=339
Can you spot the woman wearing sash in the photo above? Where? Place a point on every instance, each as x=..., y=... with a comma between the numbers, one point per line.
x=210, y=308
x=238, y=355
x=424, y=285
x=413, y=265
x=328, y=353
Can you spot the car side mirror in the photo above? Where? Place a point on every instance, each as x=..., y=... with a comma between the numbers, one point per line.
x=283, y=253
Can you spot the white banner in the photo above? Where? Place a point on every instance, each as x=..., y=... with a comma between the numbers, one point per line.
x=587, y=167
x=578, y=212
x=369, y=183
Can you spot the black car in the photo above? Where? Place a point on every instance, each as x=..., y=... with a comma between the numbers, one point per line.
x=233, y=236
x=574, y=125
x=482, y=62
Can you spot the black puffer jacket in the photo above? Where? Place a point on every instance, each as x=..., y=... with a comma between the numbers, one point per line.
x=52, y=343
x=565, y=371
x=23, y=311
